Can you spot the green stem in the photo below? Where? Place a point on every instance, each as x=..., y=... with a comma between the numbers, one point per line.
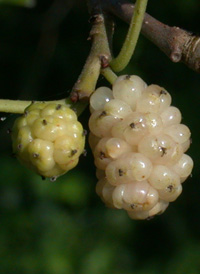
x=18, y=106
x=99, y=53
x=109, y=75
x=122, y=60
x=13, y=106
x=78, y=106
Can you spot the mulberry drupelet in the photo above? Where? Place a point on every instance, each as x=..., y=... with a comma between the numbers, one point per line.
x=138, y=145
x=48, y=139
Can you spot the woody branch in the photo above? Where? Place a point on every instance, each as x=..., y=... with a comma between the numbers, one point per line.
x=178, y=44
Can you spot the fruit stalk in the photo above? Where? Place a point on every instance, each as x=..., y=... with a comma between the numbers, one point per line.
x=18, y=106
x=13, y=106
x=109, y=75
x=122, y=60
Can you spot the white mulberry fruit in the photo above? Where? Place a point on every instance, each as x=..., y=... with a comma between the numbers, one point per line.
x=48, y=139
x=138, y=145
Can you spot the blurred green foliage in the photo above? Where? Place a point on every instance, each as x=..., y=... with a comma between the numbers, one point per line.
x=62, y=227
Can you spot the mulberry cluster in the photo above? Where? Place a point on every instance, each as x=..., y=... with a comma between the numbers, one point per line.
x=48, y=139
x=139, y=147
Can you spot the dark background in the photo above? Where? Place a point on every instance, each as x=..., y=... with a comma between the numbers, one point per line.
x=63, y=227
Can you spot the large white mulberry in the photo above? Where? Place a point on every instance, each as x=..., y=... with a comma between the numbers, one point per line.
x=48, y=139
x=138, y=145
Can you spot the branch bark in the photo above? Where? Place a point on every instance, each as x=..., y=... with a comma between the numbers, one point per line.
x=179, y=45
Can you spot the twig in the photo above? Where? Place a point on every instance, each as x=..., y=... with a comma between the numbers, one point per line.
x=179, y=45
x=99, y=55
